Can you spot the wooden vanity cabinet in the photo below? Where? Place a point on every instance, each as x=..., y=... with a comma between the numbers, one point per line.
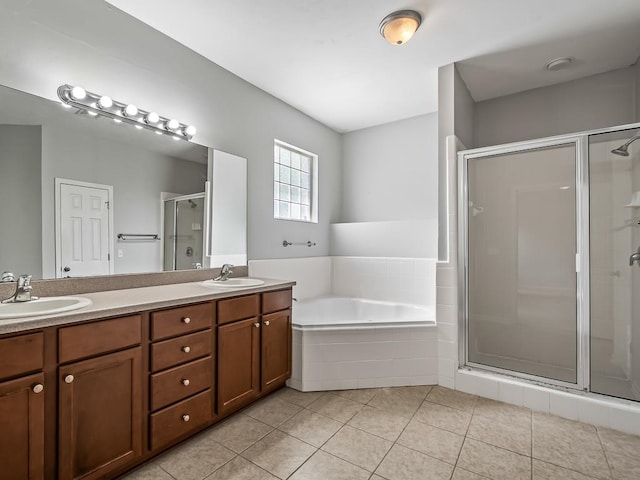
x=22, y=408
x=100, y=398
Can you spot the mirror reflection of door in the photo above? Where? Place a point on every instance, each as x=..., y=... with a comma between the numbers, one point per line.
x=83, y=226
x=184, y=232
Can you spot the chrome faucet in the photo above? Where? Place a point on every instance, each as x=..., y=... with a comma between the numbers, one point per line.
x=225, y=272
x=635, y=257
x=23, y=291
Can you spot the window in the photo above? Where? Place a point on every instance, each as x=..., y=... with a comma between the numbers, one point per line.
x=294, y=183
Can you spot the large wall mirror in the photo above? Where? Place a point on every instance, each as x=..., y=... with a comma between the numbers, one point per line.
x=82, y=195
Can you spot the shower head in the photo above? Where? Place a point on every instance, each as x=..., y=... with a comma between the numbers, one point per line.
x=623, y=150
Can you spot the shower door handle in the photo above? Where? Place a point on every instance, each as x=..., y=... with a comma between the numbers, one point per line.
x=635, y=257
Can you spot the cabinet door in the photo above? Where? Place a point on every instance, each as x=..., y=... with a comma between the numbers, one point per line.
x=238, y=364
x=22, y=431
x=276, y=349
x=100, y=414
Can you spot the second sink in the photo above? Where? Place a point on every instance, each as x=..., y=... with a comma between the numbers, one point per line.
x=42, y=306
x=234, y=283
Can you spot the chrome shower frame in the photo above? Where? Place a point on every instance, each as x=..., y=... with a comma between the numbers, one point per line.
x=581, y=142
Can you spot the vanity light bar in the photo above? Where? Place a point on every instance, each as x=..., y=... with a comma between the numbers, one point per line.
x=96, y=104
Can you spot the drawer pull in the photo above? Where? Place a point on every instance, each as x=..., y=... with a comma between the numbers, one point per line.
x=257, y=324
x=186, y=320
x=69, y=379
x=186, y=349
x=186, y=382
x=37, y=388
x=186, y=418
x=266, y=322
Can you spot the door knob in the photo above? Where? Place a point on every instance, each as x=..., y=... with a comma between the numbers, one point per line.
x=635, y=257
x=69, y=379
x=266, y=322
x=186, y=349
x=66, y=269
x=37, y=388
x=257, y=325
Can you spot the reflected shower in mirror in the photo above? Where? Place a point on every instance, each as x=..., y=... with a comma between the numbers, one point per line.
x=40, y=141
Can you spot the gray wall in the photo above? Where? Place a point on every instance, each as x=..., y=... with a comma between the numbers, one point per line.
x=593, y=102
x=74, y=41
x=391, y=171
x=637, y=93
x=20, y=200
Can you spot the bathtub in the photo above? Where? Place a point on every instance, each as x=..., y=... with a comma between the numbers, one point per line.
x=345, y=343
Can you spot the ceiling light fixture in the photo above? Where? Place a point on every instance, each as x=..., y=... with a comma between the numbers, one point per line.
x=398, y=27
x=96, y=104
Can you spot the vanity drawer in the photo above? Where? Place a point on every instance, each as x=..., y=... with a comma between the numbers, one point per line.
x=180, y=382
x=181, y=320
x=95, y=338
x=185, y=348
x=21, y=354
x=275, y=301
x=173, y=422
x=238, y=308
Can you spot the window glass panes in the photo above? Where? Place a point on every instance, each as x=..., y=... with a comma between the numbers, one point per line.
x=285, y=192
x=305, y=180
x=295, y=177
x=295, y=194
x=292, y=184
x=295, y=211
x=285, y=156
x=295, y=160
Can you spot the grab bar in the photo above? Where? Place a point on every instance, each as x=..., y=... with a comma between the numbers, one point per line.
x=308, y=244
x=138, y=236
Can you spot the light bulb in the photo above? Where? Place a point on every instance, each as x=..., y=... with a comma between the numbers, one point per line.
x=190, y=130
x=105, y=102
x=172, y=124
x=176, y=138
x=152, y=117
x=139, y=127
x=158, y=133
x=130, y=111
x=78, y=93
x=93, y=114
x=117, y=120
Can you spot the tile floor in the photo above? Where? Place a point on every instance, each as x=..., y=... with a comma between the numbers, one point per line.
x=402, y=433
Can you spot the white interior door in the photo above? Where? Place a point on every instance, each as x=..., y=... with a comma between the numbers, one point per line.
x=83, y=229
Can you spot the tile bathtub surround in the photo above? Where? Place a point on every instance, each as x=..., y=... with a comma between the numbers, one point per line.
x=401, y=433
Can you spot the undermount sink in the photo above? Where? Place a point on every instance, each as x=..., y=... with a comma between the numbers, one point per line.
x=42, y=306
x=234, y=283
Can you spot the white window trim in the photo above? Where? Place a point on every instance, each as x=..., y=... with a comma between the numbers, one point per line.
x=314, y=181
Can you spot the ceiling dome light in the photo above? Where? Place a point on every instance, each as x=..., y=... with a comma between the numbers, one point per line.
x=105, y=102
x=78, y=93
x=172, y=124
x=152, y=117
x=190, y=131
x=130, y=111
x=398, y=27
x=559, y=63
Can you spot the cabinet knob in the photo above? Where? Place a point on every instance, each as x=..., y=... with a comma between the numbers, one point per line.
x=69, y=379
x=186, y=349
x=257, y=324
x=186, y=418
x=186, y=382
x=37, y=388
x=186, y=320
x=266, y=322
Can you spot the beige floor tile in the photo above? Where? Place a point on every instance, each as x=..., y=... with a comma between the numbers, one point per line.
x=514, y=436
x=238, y=432
x=623, y=453
x=322, y=466
x=546, y=471
x=432, y=441
x=400, y=400
x=569, y=444
x=494, y=462
x=151, y=471
x=447, y=418
x=195, y=459
x=361, y=395
x=338, y=408
x=279, y=453
x=241, y=469
x=272, y=410
x=461, y=474
x=358, y=447
x=452, y=398
x=296, y=397
x=404, y=464
x=311, y=427
x=379, y=422
x=502, y=412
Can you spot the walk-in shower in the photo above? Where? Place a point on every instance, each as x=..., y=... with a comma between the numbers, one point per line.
x=183, y=232
x=550, y=289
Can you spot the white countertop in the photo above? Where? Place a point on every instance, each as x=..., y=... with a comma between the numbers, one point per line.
x=133, y=300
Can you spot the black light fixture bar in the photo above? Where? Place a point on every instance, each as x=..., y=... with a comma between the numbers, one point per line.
x=96, y=104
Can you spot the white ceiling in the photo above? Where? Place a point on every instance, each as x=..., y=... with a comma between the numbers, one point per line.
x=327, y=58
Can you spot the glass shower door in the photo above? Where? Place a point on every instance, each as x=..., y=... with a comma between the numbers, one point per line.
x=521, y=304
x=614, y=182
